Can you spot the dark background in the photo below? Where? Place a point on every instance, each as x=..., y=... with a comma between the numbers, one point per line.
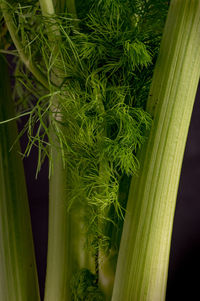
x=184, y=267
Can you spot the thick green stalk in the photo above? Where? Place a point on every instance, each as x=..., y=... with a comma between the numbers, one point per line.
x=144, y=252
x=18, y=273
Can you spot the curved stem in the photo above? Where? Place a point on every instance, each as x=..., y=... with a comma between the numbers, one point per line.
x=25, y=59
x=144, y=251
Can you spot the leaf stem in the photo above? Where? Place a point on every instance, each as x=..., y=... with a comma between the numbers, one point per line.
x=25, y=59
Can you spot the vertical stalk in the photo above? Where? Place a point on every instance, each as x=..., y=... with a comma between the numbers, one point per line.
x=106, y=264
x=144, y=252
x=107, y=273
x=18, y=273
x=65, y=239
x=57, y=283
x=104, y=267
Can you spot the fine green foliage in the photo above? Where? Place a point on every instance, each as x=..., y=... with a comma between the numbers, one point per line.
x=85, y=77
x=84, y=287
x=105, y=64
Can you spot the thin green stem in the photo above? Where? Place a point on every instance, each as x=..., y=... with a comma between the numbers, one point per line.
x=18, y=273
x=63, y=6
x=57, y=283
x=65, y=239
x=106, y=268
x=47, y=7
x=57, y=274
x=71, y=7
x=23, y=56
x=107, y=272
x=144, y=251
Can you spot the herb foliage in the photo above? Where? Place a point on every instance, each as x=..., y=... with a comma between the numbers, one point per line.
x=99, y=66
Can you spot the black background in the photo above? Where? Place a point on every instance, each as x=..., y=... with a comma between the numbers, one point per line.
x=184, y=267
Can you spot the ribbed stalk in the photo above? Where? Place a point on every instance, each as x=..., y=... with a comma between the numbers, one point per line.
x=144, y=252
x=18, y=274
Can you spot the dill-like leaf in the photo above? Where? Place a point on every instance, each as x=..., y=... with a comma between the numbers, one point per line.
x=103, y=64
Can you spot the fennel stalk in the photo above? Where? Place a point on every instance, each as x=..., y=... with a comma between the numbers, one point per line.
x=148, y=223
x=107, y=62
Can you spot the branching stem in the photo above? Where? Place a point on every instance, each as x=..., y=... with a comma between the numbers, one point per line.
x=23, y=56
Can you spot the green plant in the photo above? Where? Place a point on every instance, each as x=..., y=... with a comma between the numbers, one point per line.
x=83, y=74
x=18, y=269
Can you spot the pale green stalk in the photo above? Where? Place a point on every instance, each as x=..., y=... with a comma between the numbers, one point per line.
x=57, y=284
x=104, y=266
x=144, y=252
x=47, y=7
x=18, y=273
x=66, y=253
x=65, y=239
x=107, y=273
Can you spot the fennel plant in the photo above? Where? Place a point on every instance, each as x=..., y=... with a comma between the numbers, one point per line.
x=87, y=67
